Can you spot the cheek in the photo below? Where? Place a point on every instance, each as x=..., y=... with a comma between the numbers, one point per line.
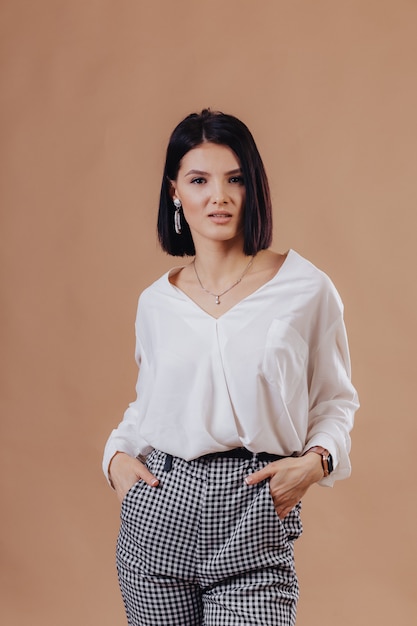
x=194, y=201
x=242, y=201
x=192, y=210
x=190, y=204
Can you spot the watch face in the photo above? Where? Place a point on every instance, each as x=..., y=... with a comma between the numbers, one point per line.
x=330, y=463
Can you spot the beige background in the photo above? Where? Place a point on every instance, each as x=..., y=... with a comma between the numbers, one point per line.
x=90, y=90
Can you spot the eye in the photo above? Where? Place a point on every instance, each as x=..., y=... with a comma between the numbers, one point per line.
x=236, y=180
x=198, y=181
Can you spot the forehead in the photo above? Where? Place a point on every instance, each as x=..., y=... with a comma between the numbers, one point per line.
x=209, y=157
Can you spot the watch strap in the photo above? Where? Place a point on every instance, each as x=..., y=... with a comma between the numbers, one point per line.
x=326, y=458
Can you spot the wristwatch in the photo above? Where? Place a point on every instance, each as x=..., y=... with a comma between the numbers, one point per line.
x=326, y=458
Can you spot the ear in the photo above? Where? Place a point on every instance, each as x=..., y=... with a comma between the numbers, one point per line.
x=172, y=189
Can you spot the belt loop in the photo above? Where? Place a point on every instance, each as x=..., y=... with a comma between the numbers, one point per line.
x=168, y=463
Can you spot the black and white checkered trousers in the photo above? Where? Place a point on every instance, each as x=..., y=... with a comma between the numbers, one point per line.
x=205, y=549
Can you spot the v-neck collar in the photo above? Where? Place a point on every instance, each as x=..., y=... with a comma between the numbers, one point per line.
x=233, y=308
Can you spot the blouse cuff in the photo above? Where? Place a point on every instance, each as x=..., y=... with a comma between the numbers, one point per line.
x=340, y=469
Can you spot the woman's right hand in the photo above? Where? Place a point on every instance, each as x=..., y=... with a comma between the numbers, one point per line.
x=125, y=471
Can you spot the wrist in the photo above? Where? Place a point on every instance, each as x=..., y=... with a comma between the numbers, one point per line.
x=325, y=457
x=313, y=466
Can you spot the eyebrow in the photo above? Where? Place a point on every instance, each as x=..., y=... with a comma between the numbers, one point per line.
x=202, y=173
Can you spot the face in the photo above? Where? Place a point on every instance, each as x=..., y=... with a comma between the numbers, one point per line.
x=211, y=189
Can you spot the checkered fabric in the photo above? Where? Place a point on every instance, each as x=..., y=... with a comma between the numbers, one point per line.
x=205, y=549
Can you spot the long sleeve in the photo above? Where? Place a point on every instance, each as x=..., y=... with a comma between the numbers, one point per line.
x=125, y=438
x=332, y=399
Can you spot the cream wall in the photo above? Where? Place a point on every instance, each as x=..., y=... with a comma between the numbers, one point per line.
x=91, y=90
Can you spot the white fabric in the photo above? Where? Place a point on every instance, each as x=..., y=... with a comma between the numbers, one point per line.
x=272, y=374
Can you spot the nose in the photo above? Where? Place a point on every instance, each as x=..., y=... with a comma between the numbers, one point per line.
x=219, y=195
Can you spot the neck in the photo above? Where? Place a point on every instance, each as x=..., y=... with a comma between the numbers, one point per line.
x=217, y=271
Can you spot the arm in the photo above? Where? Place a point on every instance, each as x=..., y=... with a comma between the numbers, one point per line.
x=333, y=401
x=121, y=466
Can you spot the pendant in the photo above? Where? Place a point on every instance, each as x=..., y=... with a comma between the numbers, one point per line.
x=217, y=299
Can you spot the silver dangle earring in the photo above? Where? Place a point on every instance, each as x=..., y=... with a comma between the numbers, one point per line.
x=177, y=216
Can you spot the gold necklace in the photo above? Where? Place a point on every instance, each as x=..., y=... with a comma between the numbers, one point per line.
x=219, y=295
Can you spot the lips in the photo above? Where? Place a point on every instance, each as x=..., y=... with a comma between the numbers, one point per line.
x=220, y=218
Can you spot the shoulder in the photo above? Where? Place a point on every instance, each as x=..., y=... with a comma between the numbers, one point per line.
x=162, y=288
x=313, y=280
x=155, y=289
x=150, y=300
x=307, y=269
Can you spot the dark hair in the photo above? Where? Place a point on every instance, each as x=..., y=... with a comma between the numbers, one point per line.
x=227, y=130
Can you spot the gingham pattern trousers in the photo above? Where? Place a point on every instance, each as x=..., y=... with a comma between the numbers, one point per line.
x=205, y=549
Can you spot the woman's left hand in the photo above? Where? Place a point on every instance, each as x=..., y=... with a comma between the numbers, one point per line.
x=289, y=480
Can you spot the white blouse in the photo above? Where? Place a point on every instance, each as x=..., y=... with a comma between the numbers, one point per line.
x=272, y=374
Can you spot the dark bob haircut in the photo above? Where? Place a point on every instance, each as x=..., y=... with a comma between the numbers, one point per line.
x=219, y=128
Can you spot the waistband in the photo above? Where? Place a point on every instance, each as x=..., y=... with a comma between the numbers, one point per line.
x=234, y=453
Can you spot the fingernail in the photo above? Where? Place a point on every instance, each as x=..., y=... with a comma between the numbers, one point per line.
x=155, y=482
x=248, y=480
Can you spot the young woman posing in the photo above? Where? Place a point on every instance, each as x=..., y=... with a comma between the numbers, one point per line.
x=244, y=398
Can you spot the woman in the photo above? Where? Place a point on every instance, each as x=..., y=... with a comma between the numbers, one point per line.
x=244, y=398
